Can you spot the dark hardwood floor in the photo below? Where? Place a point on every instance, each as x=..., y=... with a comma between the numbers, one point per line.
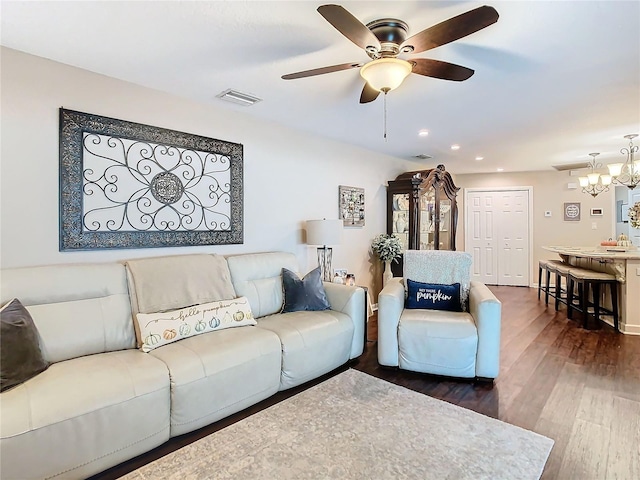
x=579, y=387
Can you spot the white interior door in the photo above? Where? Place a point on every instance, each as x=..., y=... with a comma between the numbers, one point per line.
x=497, y=226
x=482, y=241
x=513, y=257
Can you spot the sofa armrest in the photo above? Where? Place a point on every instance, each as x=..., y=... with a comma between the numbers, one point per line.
x=486, y=311
x=390, y=307
x=350, y=301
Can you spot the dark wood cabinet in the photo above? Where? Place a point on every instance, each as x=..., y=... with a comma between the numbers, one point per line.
x=422, y=211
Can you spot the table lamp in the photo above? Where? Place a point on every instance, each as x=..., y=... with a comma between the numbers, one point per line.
x=324, y=232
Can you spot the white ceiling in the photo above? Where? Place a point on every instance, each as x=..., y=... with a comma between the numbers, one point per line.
x=554, y=81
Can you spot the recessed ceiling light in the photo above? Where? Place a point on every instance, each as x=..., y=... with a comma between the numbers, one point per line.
x=423, y=133
x=455, y=147
x=500, y=169
x=479, y=158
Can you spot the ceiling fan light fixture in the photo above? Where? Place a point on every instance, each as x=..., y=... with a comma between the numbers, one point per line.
x=386, y=74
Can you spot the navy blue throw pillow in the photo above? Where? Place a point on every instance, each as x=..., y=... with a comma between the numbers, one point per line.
x=306, y=294
x=433, y=296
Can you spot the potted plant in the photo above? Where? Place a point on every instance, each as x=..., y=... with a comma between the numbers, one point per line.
x=388, y=249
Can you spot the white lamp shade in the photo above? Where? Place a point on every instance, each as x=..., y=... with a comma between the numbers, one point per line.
x=386, y=73
x=615, y=169
x=593, y=178
x=605, y=179
x=324, y=232
x=584, y=181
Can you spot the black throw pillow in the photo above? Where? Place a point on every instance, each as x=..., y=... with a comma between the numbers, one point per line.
x=306, y=294
x=433, y=296
x=20, y=354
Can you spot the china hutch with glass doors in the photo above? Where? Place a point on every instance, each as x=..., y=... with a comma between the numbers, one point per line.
x=422, y=211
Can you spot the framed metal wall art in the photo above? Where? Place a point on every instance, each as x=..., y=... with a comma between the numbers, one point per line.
x=351, y=205
x=128, y=185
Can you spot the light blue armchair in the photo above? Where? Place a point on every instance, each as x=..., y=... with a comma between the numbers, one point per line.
x=462, y=344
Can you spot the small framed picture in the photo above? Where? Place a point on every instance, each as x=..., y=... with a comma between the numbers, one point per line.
x=351, y=203
x=572, y=212
x=340, y=275
x=596, y=212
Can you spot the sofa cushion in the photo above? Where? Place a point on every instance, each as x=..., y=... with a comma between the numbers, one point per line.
x=158, y=329
x=438, y=342
x=84, y=415
x=258, y=277
x=78, y=309
x=433, y=296
x=313, y=343
x=304, y=293
x=20, y=355
x=219, y=373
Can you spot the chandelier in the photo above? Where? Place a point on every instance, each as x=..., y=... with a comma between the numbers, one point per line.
x=594, y=183
x=627, y=173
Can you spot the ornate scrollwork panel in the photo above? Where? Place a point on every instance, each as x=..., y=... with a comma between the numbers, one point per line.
x=127, y=185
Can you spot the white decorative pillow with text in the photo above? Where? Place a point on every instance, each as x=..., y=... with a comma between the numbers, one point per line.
x=158, y=329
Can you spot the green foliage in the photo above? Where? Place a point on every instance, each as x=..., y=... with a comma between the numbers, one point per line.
x=387, y=247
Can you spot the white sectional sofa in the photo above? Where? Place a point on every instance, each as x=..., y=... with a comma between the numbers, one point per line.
x=103, y=401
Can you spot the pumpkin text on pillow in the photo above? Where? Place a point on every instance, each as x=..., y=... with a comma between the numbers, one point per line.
x=433, y=296
x=158, y=329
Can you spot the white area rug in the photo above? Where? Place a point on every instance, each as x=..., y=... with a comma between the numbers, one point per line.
x=355, y=426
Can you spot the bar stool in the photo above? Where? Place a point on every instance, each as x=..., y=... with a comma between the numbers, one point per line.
x=550, y=267
x=562, y=271
x=586, y=280
x=543, y=266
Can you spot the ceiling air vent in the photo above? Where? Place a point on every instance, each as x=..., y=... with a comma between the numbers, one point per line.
x=423, y=156
x=238, y=97
x=571, y=166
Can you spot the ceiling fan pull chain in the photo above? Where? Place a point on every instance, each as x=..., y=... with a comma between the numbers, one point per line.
x=385, y=116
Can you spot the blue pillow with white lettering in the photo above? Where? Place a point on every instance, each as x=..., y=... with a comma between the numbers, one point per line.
x=433, y=296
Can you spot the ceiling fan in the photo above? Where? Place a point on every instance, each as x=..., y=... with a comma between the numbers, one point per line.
x=383, y=40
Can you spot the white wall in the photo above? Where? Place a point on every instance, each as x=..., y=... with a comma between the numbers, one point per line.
x=289, y=176
x=550, y=192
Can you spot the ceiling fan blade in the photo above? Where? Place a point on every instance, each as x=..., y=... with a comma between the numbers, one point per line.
x=369, y=94
x=349, y=26
x=321, y=71
x=439, y=69
x=452, y=29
